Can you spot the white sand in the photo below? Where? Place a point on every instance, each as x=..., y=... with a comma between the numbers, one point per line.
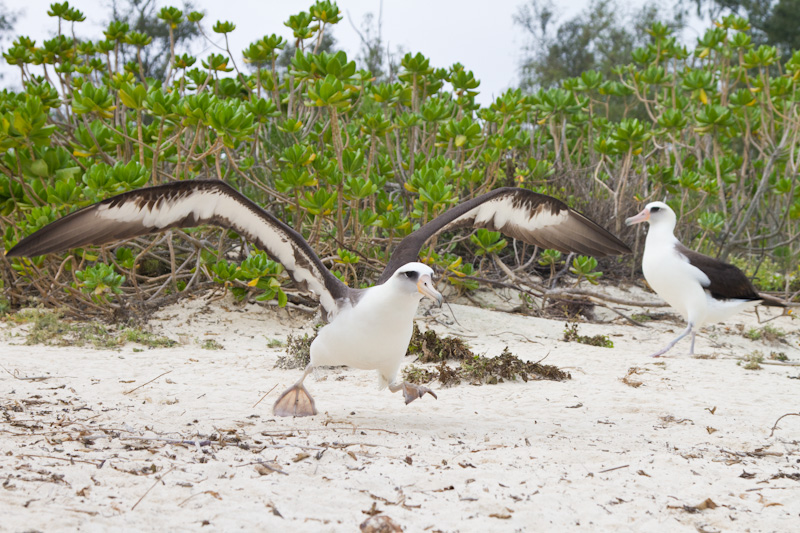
x=551, y=456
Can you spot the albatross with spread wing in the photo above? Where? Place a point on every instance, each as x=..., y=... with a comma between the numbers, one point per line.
x=366, y=328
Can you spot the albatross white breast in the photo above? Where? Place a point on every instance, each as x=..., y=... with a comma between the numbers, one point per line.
x=702, y=289
x=367, y=328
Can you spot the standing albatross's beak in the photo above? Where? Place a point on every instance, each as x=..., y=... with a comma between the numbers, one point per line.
x=641, y=217
x=426, y=288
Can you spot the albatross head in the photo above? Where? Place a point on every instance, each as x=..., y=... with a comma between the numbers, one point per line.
x=416, y=278
x=656, y=213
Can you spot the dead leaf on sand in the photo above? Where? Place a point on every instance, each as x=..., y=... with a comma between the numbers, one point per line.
x=264, y=469
x=629, y=380
x=380, y=524
x=708, y=503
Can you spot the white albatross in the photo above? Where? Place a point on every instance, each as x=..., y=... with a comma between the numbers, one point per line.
x=366, y=328
x=702, y=289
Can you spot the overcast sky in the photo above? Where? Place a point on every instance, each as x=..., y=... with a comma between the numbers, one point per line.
x=480, y=34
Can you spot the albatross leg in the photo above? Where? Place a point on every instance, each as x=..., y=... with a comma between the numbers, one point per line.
x=674, y=341
x=296, y=401
x=411, y=391
x=691, y=350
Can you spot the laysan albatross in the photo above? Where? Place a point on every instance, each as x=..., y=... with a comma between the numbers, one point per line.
x=702, y=289
x=366, y=328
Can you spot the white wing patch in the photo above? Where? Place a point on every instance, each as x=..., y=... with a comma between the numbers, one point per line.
x=500, y=212
x=205, y=205
x=201, y=203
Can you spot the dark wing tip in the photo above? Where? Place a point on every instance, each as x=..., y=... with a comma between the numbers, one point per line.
x=32, y=246
x=594, y=239
x=612, y=245
x=771, y=301
x=81, y=229
x=14, y=252
x=65, y=233
x=580, y=234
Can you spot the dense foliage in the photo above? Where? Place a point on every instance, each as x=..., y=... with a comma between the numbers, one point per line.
x=356, y=164
x=774, y=22
x=561, y=43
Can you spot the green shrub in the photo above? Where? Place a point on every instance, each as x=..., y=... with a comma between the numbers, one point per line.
x=355, y=163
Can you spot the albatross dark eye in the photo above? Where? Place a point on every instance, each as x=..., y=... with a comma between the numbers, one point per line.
x=654, y=209
x=411, y=274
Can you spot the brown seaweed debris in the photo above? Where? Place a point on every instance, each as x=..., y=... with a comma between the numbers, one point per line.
x=474, y=369
x=431, y=348
x=508, y=366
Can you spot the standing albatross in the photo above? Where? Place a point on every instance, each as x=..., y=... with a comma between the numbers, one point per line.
x=367, y=328
x=702, y=289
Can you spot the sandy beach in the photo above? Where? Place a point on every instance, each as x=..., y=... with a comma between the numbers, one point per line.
x=174, y=439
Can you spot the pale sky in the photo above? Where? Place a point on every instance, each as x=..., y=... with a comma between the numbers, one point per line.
x=477, y=33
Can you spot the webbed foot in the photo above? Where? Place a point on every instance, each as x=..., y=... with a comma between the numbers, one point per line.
x=411, y=392
x=295, y=401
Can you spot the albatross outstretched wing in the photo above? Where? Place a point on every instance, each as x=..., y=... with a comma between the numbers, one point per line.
x=534, y=218
x=185, y=204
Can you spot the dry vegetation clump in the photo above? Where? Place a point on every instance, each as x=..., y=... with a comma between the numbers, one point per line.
x=752, y=361
x=768, y=334
x=571, y=335
x=508, y=366
x=211, y=344
x=474, y=369
x=778, y=356
x=431, y=348
x=298, y=352
x=570, y=310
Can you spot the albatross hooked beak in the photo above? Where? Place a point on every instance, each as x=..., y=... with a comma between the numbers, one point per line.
x=426, y=288
x=641, y=217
